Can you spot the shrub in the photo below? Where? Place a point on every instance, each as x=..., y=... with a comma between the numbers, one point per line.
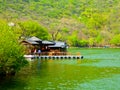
x=11, y=53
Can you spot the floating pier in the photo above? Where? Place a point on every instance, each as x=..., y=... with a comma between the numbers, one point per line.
x=29, y=57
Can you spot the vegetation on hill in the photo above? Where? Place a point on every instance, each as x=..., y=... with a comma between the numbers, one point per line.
x=78, y=22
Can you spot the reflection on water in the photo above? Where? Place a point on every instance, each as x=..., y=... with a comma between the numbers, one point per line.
x=99, y=70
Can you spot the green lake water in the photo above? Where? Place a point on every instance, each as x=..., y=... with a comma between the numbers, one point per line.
x=99, y=70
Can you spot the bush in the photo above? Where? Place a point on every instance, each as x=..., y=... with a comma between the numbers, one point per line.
x=11, y=53
x=83, y=43
x=116, y=40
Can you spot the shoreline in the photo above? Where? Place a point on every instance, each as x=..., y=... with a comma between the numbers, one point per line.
x=94, y=47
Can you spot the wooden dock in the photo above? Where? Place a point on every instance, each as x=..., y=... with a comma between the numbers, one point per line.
x=29, y=57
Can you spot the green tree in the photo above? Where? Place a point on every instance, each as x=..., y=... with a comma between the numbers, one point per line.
x=116, y=40
x=91, y=42
x=11, y=53
x=32, y=28
x=73, y=39
x=83, y=43
x=98, y=40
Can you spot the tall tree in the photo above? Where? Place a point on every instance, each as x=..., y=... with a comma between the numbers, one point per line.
x=11, y=53
x=32, y=28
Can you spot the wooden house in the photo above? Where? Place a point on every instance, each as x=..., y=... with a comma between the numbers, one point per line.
x=59, y=48
x=47, y=47
x=31, y=44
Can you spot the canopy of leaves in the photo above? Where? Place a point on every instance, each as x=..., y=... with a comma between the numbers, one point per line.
x=116, y=40
x=32, y=28
x=11, y=53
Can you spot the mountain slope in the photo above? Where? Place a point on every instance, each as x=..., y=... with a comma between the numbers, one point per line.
x=93, y=22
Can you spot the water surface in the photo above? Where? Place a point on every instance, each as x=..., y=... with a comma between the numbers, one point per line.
x=99, y=70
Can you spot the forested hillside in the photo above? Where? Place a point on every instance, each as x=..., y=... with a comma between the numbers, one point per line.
x=78, y=22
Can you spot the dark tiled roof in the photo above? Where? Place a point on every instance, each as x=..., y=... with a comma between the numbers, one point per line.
x=34, y=39
x=48, y=42
x=58, y=44
x=31, y=42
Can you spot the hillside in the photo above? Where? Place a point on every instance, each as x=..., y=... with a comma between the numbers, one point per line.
x=78, y=22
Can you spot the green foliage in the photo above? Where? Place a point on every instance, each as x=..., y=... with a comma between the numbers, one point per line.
x=98, y=40
x=83, y=43
x=97, y=21
x=31, y=28
x=11, y=53
x=116, y=40
x=91, y=42
x=73, y=39
x=93, y=19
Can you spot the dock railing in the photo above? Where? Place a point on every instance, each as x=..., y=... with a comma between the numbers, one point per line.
x=56, y=55
x=59, y=53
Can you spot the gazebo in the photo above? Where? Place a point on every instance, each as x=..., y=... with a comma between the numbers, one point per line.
x=34, y=44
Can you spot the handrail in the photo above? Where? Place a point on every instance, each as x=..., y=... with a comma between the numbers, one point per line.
x=57, y=53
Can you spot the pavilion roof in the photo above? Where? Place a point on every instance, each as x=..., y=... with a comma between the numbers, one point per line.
x=34, y=39
x=48, y=42
x=58, y=44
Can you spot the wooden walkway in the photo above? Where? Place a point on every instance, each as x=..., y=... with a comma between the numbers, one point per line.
x=29, y=57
